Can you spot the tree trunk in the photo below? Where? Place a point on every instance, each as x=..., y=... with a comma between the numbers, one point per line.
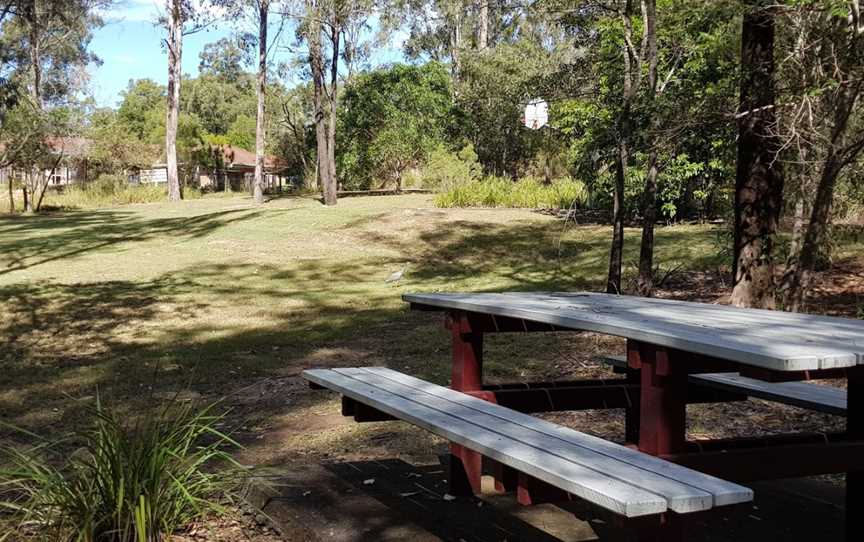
x=616, y=253
x=175, y=51
x=645, y=281
x=260, y=131
x=799, y=279
x=11, y=194
x=482, y=25
x=336, y=32
x=316, y=64
x=758, y=180
x=455, y=44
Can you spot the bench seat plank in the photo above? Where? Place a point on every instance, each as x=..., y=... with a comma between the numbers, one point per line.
x=679, y=485
x=548, y=458
x=801, y=394
x=592, y=486
x=807, y=395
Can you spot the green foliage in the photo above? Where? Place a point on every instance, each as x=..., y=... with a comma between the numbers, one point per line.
x=142, y=110
x=123, y=483
x=241, y=133
x=526, y=193
x=390, y=120
x=444, y=170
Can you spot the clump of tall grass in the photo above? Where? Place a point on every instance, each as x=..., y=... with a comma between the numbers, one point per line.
x=121, y=483
x=524, y=193
x=112, y=190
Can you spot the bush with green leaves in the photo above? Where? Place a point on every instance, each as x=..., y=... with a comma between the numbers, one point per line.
x=390, y=120
x=119, y=482
x=445, y=170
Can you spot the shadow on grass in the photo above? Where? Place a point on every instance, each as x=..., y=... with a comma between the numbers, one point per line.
x=218, y=328
x=28, y=241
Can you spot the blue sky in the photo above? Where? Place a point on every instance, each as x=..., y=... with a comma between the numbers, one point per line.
x=130, y=47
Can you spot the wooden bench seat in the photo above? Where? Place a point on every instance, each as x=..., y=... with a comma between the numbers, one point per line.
x=801, y=394
x=615, y=477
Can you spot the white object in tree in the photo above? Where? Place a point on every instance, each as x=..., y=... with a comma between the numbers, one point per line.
x=536, y=114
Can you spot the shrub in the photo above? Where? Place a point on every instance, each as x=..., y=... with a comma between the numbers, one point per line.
x=525, y=193
x=122, y=483
x=446, y=170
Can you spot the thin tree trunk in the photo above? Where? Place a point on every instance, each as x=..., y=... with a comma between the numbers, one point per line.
x=11, y=195
x=758, y=180
x=260, y=132
x=616, y=253
x=456, y=44
x=336, y=32
x=799, y=279
x=482, y=25
x=175, y=53
x=645, y=281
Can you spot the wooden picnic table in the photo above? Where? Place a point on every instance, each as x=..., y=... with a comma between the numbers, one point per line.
x=667, y=341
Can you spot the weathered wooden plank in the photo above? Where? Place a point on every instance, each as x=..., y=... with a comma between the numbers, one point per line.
x=811, y=396
x=801, y=394
x=595, y=487
x=723, y=492
x=770, y=339
x=680, y=497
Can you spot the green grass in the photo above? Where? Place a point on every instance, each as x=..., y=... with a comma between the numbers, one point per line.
x=527, y=193
x=212, y=294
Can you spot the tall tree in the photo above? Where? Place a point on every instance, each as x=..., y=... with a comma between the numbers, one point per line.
x=261, y=92
x=182, y=17
x=634, y=54
x=758, y=179
x=175, y=11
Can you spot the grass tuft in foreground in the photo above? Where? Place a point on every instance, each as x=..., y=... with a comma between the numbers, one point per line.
x=121, y=483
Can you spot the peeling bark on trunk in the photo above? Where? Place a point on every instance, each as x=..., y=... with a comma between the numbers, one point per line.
x=175, y=53
x=758, y=180
x=455, y=45
x=482, y=25
x=260, y=131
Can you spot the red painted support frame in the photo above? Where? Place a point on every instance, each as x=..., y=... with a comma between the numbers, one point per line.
x=466, y=466
x=661, y=411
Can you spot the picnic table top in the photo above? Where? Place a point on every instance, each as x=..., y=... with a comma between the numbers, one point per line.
x=776, y=340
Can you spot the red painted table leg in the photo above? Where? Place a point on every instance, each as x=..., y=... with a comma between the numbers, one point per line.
x=465, y=465
x=855, y=430
x=662, y=419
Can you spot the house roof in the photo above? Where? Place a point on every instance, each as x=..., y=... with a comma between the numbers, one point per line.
x=237, y=157
x=74, y=147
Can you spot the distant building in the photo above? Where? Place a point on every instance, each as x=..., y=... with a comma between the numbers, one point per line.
x=68, y=156
x=219, y=165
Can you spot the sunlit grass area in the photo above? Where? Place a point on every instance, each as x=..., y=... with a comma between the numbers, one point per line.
x=209, y=297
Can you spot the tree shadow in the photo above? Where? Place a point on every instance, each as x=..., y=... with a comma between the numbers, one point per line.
x=29, y=241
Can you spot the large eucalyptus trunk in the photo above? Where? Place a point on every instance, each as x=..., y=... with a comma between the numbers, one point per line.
x=175, y=54
x=335, y=33
x=260, y=127
x=758, y=180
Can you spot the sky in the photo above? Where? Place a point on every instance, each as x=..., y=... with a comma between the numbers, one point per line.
x=130, y=47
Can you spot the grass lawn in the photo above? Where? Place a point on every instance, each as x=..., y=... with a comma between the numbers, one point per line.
x=218, y=298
